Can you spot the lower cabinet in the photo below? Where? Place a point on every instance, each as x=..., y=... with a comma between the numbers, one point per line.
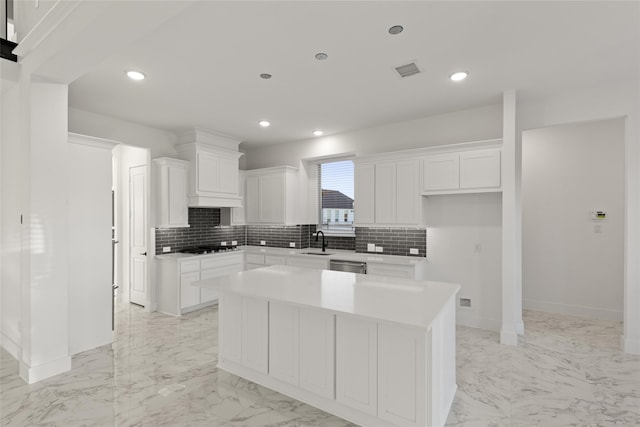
x=390, y=270
x=255, y=338
x=284, y=342
x=175, y=276
x=357, y=363
x=317, y=351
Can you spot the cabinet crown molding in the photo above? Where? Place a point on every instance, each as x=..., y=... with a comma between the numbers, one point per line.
x=427, y=151
x=209, y=138
x=271, y=169
x=92, y=141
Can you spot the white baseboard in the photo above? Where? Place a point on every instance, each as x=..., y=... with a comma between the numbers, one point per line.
x=38, y=373
x=10, y=346
x=573, y=310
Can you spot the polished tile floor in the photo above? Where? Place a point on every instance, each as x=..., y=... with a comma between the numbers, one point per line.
x=161, y=371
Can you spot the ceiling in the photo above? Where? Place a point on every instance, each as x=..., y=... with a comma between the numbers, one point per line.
x=203, y=64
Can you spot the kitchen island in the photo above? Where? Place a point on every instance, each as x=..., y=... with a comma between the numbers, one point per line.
x=376, y=351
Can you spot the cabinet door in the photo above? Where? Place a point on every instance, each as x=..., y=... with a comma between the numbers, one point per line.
x=255, y=334
x=317, y=346
x=208, y=173
x=364, y=188
x=252, y=199
x=356, y=363
x=401, y=373
x=441, y=172
x=480, y=169
x=228, y=175
x=178, y=210
x=230, y=318
x=189, y=295
x=272, y=198
x=284, y=342
x=407, y=192
x=385, y=193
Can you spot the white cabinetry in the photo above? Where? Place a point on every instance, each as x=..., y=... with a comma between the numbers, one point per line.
x=414, y=272
x=213, y=175
x=175, y=276
x=284, y=342
x=357, y=363
x=271, y=196
x=472, y=170
x=317, y=351
x=230, y=329
x=309, y=261
x=387, y=193
x=170, y=178
x=255, y=337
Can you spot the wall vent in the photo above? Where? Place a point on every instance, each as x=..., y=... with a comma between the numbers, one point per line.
x=407, y=70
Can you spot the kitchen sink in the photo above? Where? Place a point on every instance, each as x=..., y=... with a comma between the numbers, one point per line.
x=316, y=253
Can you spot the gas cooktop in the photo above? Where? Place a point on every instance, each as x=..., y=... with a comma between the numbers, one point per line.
x=198, y=250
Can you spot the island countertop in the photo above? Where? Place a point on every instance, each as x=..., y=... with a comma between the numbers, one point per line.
x=402, y=301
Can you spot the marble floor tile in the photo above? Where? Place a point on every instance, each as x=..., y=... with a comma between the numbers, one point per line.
x=161, y=371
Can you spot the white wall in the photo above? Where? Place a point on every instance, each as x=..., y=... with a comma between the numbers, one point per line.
x=462, y=126
x=569, y=171
x=89, y=190
x=159, y=142
x=464, y=241
x=12, y=190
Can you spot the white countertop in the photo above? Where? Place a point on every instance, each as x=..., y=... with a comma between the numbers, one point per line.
x=334, y=254
x=407, y=302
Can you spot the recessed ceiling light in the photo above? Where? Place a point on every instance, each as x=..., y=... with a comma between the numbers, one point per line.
x=264, y=123
x=265, y=76
x=459, y=76
x=396, y=29
x=321, y=56
x=135, y=75
x=318, y=132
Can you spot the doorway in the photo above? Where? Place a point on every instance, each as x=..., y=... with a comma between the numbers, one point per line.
x=131, y=186
x=573, y=219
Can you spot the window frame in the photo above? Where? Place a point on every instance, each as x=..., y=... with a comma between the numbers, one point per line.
x=319, y=223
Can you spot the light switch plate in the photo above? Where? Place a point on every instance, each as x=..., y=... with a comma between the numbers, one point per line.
x=378, y=248
x=166, y=249
x=371, y=247
x=414, y=251
x=262, y=242
x=292, y=244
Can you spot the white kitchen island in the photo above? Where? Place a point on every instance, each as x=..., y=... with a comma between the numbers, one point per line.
x=376, y=351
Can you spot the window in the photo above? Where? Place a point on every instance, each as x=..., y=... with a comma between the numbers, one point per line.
x=335, y=196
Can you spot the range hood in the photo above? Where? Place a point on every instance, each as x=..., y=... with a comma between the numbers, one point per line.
x=213, y=169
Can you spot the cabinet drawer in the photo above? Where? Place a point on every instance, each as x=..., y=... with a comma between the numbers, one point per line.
x=274, y=260
x=401, y=271
x=220, y=260
x=253, y=266
x=255, y=259
x=190, y=266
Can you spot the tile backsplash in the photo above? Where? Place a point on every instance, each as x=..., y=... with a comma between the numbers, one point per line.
x=205, y=229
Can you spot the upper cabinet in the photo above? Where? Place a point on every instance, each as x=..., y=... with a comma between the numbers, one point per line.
x=387, y=193
x=170, y=177
x=213, y=175
x=461, y=172
x=271, y=196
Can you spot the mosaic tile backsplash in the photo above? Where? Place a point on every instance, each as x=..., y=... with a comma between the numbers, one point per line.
x=205, y=229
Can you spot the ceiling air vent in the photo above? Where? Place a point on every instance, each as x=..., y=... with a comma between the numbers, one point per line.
x=407, y=70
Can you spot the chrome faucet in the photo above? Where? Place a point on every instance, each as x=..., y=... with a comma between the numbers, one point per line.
x=324, y=244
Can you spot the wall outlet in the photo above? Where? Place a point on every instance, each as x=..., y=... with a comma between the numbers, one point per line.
x=223, y=243
x=465, y=302
x=263, y=243
x=292, y=244
x=477, y=248
x=234, y=243
x=379, y=248
x=414, y=251
x=371, y=247
x=166, y=249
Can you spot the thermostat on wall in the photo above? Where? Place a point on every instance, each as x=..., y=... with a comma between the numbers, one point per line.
x=599, y=215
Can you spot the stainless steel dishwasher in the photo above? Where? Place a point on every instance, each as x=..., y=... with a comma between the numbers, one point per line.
x=350, y=266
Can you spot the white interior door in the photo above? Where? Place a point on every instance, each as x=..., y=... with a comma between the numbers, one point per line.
x=138, y=277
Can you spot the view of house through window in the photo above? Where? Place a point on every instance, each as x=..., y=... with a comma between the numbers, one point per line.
x=335, y=193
